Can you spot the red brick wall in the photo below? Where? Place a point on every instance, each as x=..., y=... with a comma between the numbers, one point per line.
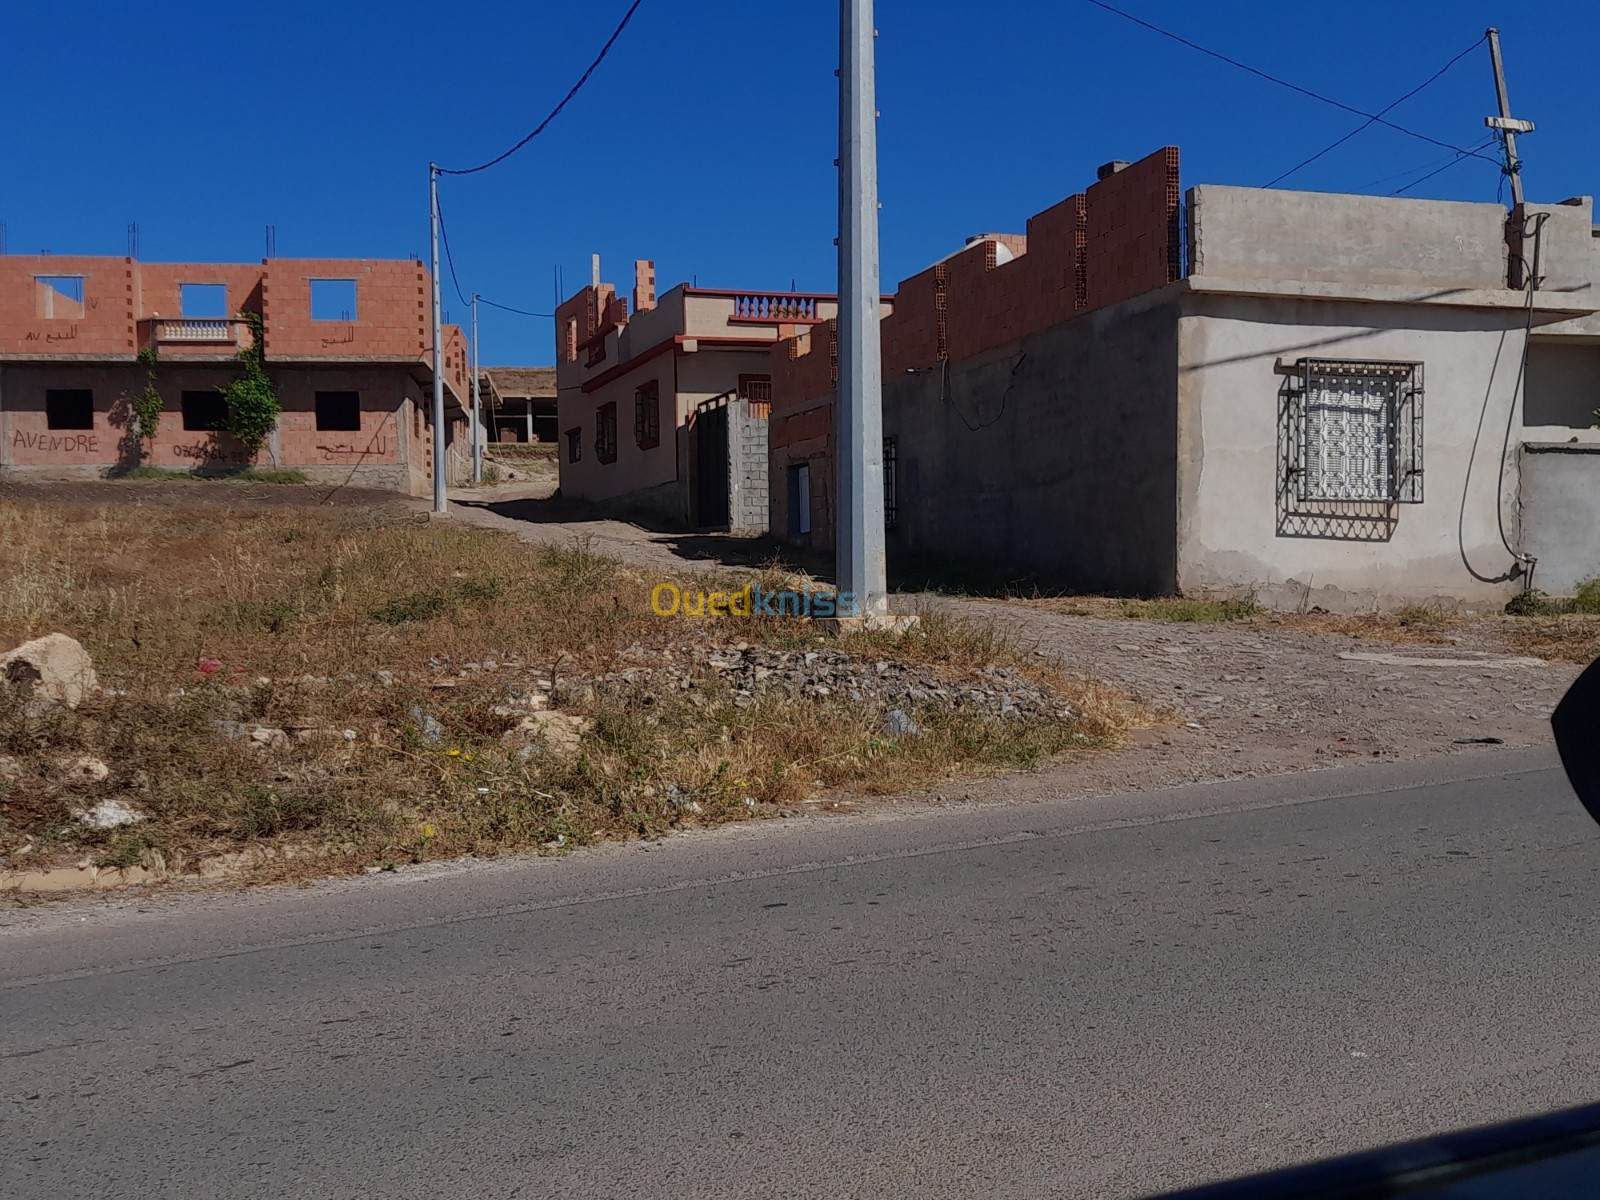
x=157, y=286
x=105, y=325
x=914, y=331
x=1133, y=229
x=804, y=368
x=1113, y=242
x=393, y=309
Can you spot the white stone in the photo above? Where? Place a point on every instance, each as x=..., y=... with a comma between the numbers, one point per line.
x=83, y=769
x=109, y=814
x=53, y=668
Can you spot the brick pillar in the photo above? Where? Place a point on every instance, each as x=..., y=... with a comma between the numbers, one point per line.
x=644, y=285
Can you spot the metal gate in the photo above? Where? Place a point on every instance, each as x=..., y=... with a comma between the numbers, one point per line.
x=711, y=463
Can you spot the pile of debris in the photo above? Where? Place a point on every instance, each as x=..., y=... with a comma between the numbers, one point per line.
x=743, y=672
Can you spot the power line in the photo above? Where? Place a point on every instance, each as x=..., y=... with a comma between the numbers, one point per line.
x=1372, y=120
x=1432, y=162
x=1400, y=191
x=1294, y=87
x=521, y=312
x=444, y=237
x=540, y=128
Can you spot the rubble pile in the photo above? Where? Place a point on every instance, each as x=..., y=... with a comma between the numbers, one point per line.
x=744, y=672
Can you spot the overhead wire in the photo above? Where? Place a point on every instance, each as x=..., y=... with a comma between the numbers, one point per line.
x=1448, y=159
x=1281, y=82
x=556, y=111
x=1376, y=117
x=450, y=260
x=1404, y=188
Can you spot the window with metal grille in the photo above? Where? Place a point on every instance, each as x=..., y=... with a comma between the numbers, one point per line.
x=756, y=392
x=1357, y=432
x=889, y=462
x=574, y=445
x=605, y=433
x=647, y=415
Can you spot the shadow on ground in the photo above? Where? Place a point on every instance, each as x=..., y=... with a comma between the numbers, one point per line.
x=909, y=571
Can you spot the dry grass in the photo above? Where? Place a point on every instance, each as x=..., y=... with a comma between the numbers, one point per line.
x=1417, y=623
x=296, y=617
x=1573, y=637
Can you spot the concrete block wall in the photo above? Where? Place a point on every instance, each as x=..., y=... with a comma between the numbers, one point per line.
x=748, y=468
x=1360, y=241
x=1557, y=486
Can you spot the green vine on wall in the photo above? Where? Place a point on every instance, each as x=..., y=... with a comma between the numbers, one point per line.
x=147, y=405
x=252, y=400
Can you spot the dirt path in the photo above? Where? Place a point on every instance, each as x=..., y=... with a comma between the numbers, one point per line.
x=1249, y=697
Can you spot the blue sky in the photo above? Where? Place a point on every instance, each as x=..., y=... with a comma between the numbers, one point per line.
x=706, y=140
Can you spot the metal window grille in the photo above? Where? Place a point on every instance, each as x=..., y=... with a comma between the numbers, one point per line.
x=1357, y=432
x=605, y=433
x=889, y=460
x=647, y=416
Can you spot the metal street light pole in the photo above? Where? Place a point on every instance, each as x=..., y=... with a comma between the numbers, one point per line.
x=858, y=423
x=441, y=504
x=477, y=409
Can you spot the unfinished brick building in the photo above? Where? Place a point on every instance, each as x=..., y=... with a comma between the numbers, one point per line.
x=346, y=342
x=1234, y=391
x=1092, y=250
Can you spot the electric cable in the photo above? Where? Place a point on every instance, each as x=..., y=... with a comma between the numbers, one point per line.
x=1295, y=87
x=1518, y=559
x=1402, y=190
x=1372, y=120
x=556, y=111
x=444, y=238
x=1432, y=162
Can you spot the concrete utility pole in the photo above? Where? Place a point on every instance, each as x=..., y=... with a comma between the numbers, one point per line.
x=441, y=504
x=858, y=420
x=477, y=409
x=1508, y=126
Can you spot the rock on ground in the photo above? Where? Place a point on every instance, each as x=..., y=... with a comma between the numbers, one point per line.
x=54, y=668
x=110, y=814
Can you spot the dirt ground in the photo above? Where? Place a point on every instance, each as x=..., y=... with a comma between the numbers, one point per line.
x=221, y=493
x=1247, y=698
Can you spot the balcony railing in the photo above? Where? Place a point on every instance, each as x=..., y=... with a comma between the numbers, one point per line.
x=216, y=331
x=776, y=308
x=195, y=329
x=203, y=336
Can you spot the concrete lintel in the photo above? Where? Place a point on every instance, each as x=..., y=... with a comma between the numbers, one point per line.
x=1551, y=303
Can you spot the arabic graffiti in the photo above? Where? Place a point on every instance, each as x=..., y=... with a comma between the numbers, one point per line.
x=378, y=446
x=70, y=443
x=55, y=335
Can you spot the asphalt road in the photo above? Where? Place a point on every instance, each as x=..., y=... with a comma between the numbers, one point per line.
x=1100, y=998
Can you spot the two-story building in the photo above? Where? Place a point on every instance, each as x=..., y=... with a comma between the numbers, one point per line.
x=665, y=407
x=346, y=342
